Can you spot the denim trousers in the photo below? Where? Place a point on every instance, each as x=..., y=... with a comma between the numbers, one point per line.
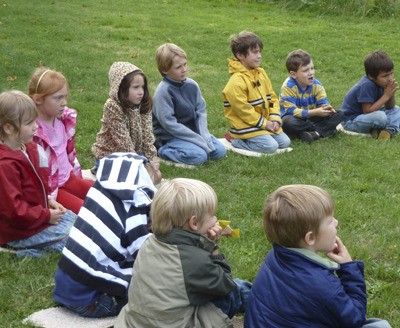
x=180, y=151
x=236, y=300
x=105, y=306
x=51, y=239
x=382, y=119
x=266, y=143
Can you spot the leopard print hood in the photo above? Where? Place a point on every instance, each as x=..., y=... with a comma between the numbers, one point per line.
x=116, y=74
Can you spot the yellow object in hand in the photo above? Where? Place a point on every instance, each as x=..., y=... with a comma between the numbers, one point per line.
x=227, y=230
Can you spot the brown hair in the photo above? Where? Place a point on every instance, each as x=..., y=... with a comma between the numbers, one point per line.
x=15, y=106
x=296, y=59
x=243, y=42
x=155, y=175
x=376, y=62
x=293, y=210
x=123, y=93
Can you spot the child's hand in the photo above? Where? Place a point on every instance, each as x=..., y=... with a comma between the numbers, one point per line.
x=325, y=110
x=391, y=88
x=56, y=206
x=340, y=253
x=272, y=126
x=214, y=233
x=55, y=216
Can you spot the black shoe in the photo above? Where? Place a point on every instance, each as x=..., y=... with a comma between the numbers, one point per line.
x=93, y=170
x=331, y=133
x=309, y=136
x=158, y=144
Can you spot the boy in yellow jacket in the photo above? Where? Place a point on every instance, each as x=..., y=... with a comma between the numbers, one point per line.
x=251, y=105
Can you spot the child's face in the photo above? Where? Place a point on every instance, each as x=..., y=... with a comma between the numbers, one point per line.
x=326, y=238
x=252, y=59
x=25, y=135
x=178, y=69
x=383, y=78
x=53, y=105
x=304, y=75
x=206, y=224
x=136, y=90
x=27, y=130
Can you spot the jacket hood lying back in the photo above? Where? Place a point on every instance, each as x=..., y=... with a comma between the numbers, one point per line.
x=125, y=176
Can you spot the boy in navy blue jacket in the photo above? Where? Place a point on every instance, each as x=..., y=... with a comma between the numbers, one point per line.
x=295, y=286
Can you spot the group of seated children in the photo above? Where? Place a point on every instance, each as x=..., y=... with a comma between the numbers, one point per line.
x=41, y=178
x=259, y=122
x=179, y=277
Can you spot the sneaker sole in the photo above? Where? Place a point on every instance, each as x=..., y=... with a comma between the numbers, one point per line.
x=249, y=153
x=384, y=135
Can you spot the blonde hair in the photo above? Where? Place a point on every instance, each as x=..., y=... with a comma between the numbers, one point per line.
x=165, y=54
x=178, y=200
x=15, y=106
x=45, y=82
x=293, y=210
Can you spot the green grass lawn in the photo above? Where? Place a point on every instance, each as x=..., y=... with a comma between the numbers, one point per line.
x=83, y=38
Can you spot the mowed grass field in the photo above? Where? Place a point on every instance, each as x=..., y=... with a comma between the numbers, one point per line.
x=83, y=38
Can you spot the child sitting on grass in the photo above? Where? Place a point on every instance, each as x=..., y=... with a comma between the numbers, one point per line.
x=370, y=105
x=179, y=113
x=295, y=286
x=180, y=277
x=96, y=264
x=251, y=105
x=126, y=125
x=305, y=110
x=32, y=223
x=56, y=134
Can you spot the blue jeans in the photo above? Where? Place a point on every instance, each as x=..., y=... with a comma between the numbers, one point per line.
x=388, y=119
x=51, y=239
x=236, y=300
x=180, y=151
x=105, y=306
x=376, y=323
x=266, y=143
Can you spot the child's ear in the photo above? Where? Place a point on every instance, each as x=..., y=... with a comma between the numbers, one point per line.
x=309, y=238
x=8, y=128
x=38, y=100
x=192, y=223
x=293, y=74
x=240, y=56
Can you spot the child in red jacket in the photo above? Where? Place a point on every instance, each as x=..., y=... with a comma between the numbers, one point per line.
x=31, y=222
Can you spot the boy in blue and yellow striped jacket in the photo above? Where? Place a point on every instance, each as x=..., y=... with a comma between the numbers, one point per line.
x=305, y=109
